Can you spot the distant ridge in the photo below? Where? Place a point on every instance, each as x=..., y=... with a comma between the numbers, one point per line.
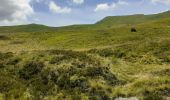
x=24, y=28
x=132, y=19
x=107, y=22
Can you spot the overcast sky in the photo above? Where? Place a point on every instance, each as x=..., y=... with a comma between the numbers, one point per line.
x=67, y=12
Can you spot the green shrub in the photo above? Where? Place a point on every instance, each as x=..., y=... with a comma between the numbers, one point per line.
x=2, y=64
x=78, y=81
x=30, y=69
x=13, y=61
x=41, y=88
x=164, y=91
x=63, y=81
x=4, y=56
x=6, y=84
x=79, y=64
x=94, y=71
x=152, y=96
x=46, y=76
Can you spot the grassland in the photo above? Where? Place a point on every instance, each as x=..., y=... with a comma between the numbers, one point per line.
x=102, y=61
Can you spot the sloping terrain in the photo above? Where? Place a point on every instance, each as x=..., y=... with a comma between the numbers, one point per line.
x=108, y=22
x=87, y=62
x=131, y=19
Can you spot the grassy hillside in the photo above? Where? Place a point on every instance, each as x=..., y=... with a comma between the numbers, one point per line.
x=108, y=22
x=87, y=62
x=24, y=28
x=131, y=19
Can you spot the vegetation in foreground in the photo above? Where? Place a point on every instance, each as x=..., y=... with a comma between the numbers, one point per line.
x=94, y=74
x=86, y=62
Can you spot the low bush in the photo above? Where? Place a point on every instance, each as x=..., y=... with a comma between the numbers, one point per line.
x=152, y=96
x=30, y=69
x=78, y=81
x=4, y=56
x=2, y=64
x=13, y=61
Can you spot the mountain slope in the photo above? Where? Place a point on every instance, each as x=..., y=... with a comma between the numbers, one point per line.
x=87, y=62
x=131, y=19
x=25, y=28
x=108, y=22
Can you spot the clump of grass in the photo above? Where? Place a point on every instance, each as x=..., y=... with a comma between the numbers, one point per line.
x=30, y=69
x=103, y=52
x=164, y=72
x=17, y=42
x=13, y=61
x=4, y=56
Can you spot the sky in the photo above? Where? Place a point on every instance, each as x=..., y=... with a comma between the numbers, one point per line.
x=69, y=12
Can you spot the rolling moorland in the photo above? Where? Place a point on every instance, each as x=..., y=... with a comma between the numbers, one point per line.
x=101, y=61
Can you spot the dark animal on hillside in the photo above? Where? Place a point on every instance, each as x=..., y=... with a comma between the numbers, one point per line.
x=133, y=30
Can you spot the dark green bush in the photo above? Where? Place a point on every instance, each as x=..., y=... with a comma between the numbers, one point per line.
x=78, y=81
x=13, y=61
x=2, y=64
x=42, y=88
x=79, y=64
x=164, y=91
x=153, y=96
x=63, y=81
x=30, y=69
x=46, y=76
x=70, y=73
x=8, y=83
x=4, y=56
x=94, y=71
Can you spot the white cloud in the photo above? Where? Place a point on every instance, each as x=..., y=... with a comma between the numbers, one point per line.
x=103, y=7
x=15, y=11
x=53, y=7
x=166, y=2
x=106, y=6
x=78, y=1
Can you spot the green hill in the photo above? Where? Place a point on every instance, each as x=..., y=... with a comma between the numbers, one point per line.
x=108, y=22
x=131, y=19
x=99, y=35
x=102, y=61
x=24, y=28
